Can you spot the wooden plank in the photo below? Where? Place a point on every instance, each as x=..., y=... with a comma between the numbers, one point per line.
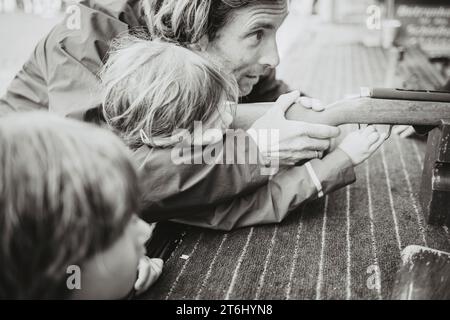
x=424, y=275
x=435, y=187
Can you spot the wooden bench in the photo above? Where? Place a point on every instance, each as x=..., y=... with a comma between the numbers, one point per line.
x=417, y=73
x=424, y=274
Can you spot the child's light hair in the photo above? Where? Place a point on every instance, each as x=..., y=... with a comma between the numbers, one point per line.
x=156, y=87
x=67, y=192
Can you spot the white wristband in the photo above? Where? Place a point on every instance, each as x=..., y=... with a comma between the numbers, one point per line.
x=314, y=179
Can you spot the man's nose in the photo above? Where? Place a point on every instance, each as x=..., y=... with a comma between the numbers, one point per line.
x=270, y=56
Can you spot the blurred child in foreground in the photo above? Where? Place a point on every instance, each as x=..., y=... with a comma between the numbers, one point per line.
x=69, y=197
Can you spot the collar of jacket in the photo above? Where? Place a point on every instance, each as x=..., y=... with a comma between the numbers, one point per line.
x=104, y=19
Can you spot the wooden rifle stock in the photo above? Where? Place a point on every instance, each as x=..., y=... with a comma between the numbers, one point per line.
x=377, y=111
x=357, y=110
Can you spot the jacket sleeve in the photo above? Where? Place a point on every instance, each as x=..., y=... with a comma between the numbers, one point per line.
x=61, y=75
x=181, y=182
x=28, y=90
x=283, y=193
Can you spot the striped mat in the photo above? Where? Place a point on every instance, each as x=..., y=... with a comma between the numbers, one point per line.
x=345, y=246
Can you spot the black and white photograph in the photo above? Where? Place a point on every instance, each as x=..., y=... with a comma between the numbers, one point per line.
x=224, y=155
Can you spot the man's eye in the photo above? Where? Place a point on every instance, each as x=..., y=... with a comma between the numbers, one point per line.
x=260, y=34
x=257, y=36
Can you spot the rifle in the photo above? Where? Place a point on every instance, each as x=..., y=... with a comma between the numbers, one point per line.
x=372, y=106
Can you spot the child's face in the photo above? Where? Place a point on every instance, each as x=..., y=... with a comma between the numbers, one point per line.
x=111, y=274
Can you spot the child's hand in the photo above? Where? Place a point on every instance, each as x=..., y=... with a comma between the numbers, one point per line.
x=149, y=271
x=361, y=144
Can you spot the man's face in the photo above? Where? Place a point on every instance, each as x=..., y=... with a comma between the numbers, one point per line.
x=247, y=45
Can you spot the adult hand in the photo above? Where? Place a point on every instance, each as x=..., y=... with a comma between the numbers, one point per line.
x=297, y=140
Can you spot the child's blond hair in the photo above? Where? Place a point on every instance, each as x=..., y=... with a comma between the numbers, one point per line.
x=156, y=87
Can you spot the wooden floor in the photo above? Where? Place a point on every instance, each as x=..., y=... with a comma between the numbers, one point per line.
x=346, y=246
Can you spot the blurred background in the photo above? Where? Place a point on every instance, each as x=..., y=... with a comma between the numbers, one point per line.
x=373, y=23
x=389, y=28
x=22, y=24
